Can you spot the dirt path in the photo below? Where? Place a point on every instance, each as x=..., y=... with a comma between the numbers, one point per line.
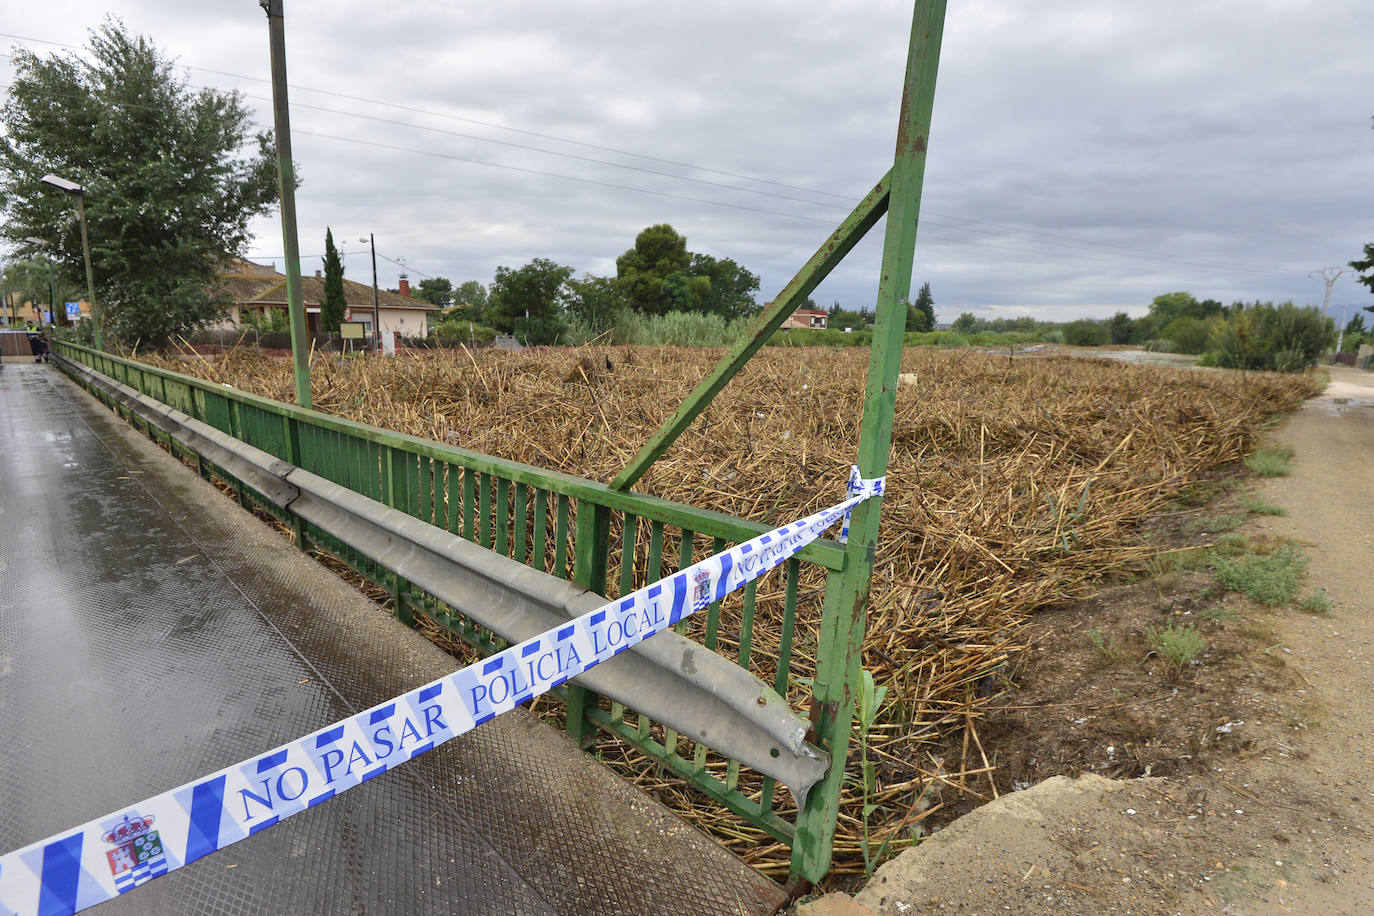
x=1283, y=823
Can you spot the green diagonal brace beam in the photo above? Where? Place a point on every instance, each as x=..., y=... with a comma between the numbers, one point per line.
x=840, y=243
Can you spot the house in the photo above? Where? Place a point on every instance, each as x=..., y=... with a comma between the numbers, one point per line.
x=255, y=288
x=806, y=318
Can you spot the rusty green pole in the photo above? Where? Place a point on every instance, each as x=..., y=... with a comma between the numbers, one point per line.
x=286, y=184
x=840, y=642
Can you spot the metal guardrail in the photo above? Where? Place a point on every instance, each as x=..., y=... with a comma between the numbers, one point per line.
x=398, y=509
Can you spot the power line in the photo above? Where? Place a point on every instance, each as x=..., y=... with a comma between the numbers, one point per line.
x=528, y=171
x=931, y=218
x=466, y=120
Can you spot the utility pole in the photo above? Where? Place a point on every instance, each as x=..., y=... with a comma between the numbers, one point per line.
x=286, y=183
x=1330, y=275
x=1340, y=337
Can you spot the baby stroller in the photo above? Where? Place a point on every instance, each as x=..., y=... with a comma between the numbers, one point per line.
x=38, y=344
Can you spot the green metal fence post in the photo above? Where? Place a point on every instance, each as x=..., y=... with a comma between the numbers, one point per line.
x=840, y=642
x=293, y=455
x=395, y=497
x=589, y=570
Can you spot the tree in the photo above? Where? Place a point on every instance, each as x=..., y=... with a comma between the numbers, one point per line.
x=925, y=304
x=528, y=301
x=966, y=323
x=730, y=290
x=170, y=189
x=1122, y=328
x=1285, y=338
x=471, y=294
x=595, y=301
x=641, y=272
x=27, y=279
x=1366, y=269
x=436, y=291
x=1086, y=333
x=333, y=304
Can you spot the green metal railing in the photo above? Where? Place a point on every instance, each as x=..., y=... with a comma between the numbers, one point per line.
x=610, y=541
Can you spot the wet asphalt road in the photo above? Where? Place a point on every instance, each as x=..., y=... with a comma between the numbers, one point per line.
x=151, y=632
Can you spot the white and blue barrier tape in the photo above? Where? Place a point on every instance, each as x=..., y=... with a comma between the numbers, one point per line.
x=104, y=858
x=860, y=486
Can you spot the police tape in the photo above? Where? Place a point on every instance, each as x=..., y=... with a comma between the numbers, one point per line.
x=112, y=855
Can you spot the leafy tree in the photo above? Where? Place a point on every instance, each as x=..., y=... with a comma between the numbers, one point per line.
x=1366, y=269
x=1121, y=328
x=1264, y=336
x=1354, y=326
x=730, y=290
x=684, y=292
x=528, y=301
x=641, y=272
x=333, y=304
x=1086, y=333
x=596, y=302
x=27, y=279
x=925, y=304
x=471, y=294
x=915, y=321
x=170, y=189
x=1187, y=334
x=966, y=323
x=1165, y=308
x=436, y=291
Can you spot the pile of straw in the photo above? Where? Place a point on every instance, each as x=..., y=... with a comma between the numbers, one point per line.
x=1014, y=484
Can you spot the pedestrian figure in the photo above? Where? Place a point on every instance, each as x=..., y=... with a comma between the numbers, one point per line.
x=38, y=344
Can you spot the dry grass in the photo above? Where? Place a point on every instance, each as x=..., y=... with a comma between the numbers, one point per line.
x=1013, y=485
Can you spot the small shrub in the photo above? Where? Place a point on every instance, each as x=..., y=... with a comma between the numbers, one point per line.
x=1316, y=603
x=1220, y=614
x=1179, y=645
x=1256, y=506
x=458, y=330
x=1271, y=579
x=1270, y=462
x=1108, y=646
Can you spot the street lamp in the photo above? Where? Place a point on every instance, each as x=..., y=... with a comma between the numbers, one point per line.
x=52, y=299
x=71, y=187
x=376, y=314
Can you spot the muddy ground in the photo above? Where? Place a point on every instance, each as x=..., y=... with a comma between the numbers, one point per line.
x=1234, y=783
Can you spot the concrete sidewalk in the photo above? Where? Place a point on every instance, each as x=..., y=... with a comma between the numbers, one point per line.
x=151, y=632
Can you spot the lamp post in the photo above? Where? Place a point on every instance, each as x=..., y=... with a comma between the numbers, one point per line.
x=79, y=192
x=52, y=299
x=376, y=313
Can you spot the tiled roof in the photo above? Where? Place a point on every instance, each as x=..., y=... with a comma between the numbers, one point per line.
x=242, y=290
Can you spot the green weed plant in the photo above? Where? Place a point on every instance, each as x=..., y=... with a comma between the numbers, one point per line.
x=1271, y=462
x=1271, y=579
x=1180, y=645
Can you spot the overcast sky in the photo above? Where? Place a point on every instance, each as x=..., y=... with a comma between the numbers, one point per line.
x=1084, y=157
